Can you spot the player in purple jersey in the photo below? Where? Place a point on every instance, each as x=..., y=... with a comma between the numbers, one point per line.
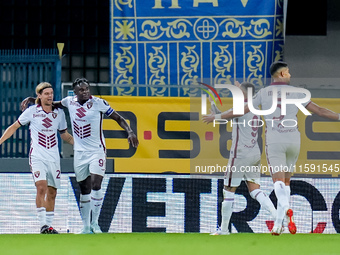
x=44, y=121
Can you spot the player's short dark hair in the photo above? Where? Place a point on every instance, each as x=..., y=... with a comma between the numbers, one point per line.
x=276, y=66
x=246, y=85
x=79, y=81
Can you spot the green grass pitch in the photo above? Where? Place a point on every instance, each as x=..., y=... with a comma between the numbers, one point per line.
x=161, y=243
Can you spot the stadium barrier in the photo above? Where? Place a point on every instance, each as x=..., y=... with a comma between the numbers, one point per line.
x=21, y=71
x=173, y=139
x=168, y=203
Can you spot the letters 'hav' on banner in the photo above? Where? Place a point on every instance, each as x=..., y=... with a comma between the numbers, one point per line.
x=171, y=42
x=173, y=138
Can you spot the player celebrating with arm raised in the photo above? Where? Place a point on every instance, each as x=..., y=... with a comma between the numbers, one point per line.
x=282, y=141
x=244, y=153
x=86, y=113
x=44, y=121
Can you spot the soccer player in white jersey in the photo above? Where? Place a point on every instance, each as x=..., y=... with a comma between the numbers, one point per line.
x=86, y=113
x=44, y=122
x=243, y=163
x=282, y=141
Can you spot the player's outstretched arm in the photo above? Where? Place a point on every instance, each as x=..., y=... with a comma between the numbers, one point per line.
x=217, y=114
x=9, y=132
x=66, y=136
x=27, y=102
x=227, y=115
x=322, y=112
x=132, y=138
x=57, y=104
x=211, y=117
x=213, y=109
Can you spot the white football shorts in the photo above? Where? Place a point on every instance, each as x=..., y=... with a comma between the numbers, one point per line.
x=88, y=162
x=239, y=169
x=282, y=157
x=46, y=170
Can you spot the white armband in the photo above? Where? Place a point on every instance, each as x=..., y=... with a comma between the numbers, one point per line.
x=218, y=116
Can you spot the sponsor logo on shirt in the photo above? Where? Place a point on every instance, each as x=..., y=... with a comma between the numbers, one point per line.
x=39, y=115
x=47, y=123
x=74, y=103
x=81, y=112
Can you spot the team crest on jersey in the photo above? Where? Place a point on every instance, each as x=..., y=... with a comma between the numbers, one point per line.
x=54, y=115
x=89, y=105
x=37, y=174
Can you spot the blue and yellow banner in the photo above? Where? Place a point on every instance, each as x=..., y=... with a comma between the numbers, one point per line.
x=182, y=42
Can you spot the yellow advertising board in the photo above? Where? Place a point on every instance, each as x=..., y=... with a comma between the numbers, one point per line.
x=173, y=138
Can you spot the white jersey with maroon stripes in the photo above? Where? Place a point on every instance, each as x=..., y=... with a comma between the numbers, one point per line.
x=87, y=122
x=279, y=128
x=43, y=127
x=244, y=136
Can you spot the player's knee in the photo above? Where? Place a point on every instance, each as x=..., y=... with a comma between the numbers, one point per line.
x=96, y=186
x=41, y=188
x=85, y=189
x=96, y=182
x=85, y=186
x=41, y=191
x=52, y=193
